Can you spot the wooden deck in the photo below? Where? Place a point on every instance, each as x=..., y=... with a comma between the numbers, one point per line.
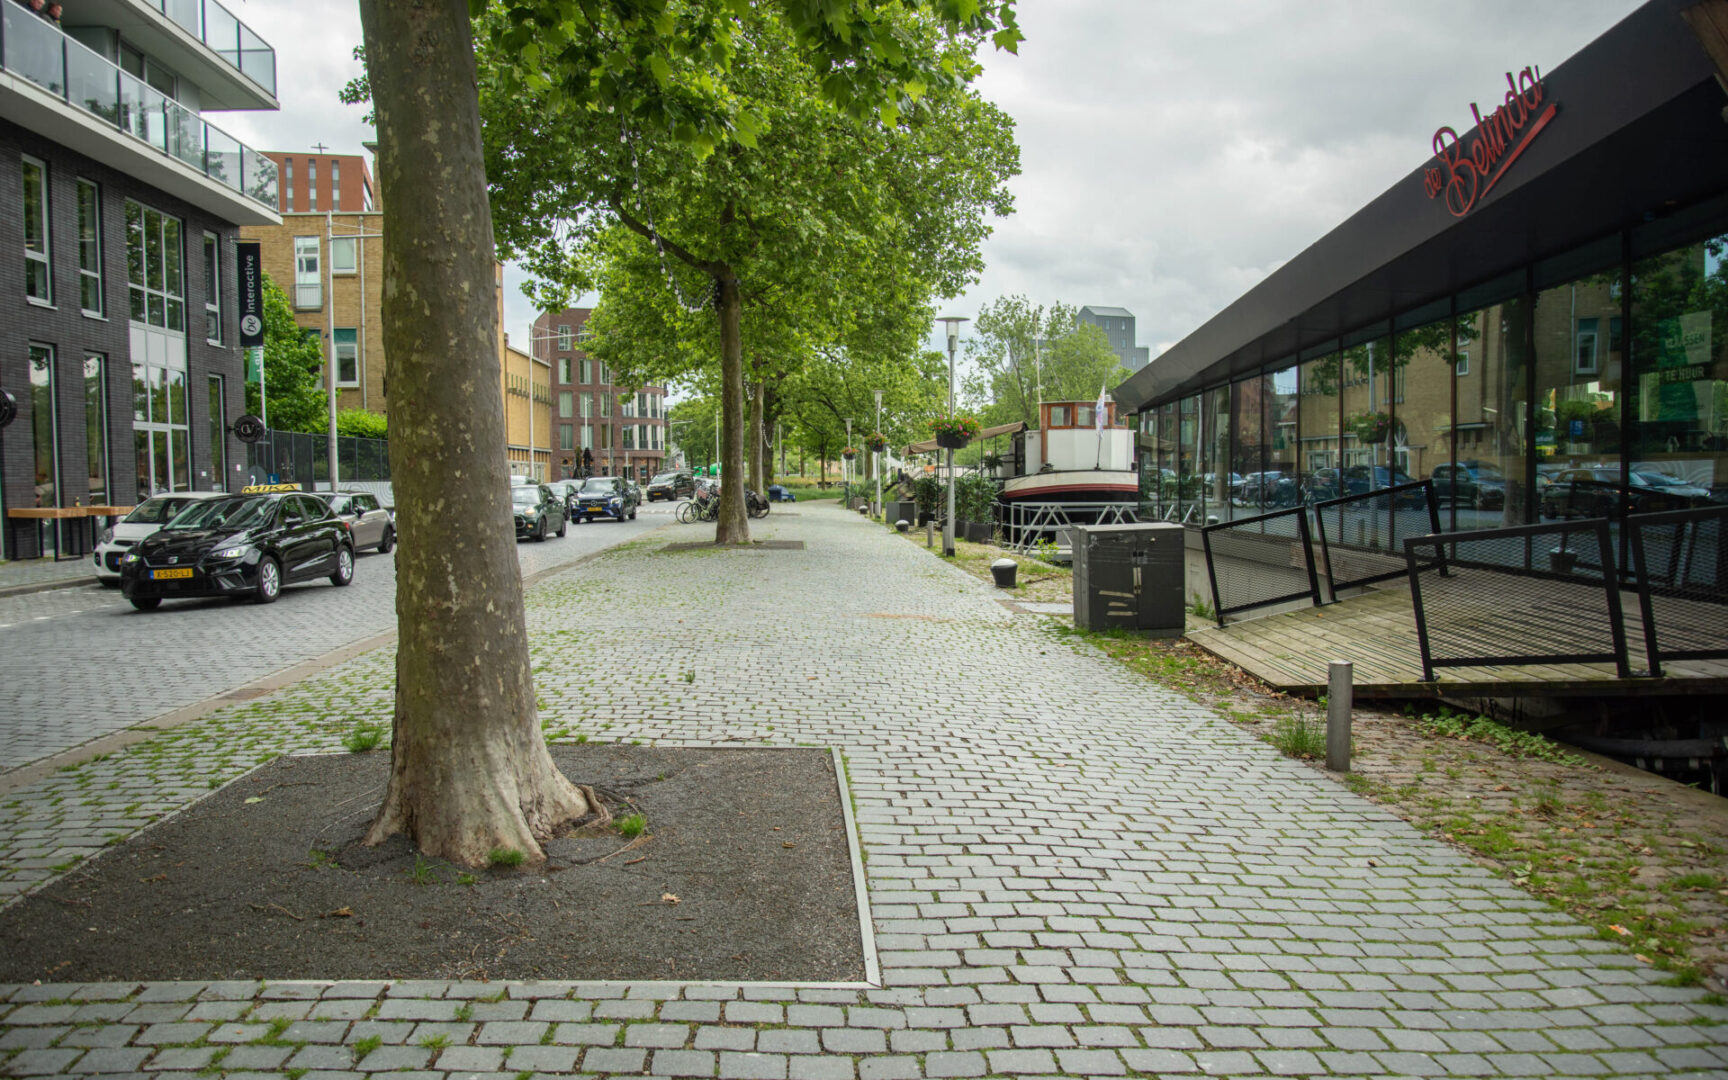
x=1377, y=633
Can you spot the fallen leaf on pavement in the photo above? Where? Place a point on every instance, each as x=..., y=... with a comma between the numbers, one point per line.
x=339, y=913
x=668, y=898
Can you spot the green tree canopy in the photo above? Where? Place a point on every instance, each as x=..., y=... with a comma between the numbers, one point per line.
x=293, y=370
x=1025, y=352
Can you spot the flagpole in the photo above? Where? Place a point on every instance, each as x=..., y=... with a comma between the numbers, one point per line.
x=1098, y=412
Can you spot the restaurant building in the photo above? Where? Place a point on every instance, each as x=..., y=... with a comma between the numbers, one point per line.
x=1542, y=299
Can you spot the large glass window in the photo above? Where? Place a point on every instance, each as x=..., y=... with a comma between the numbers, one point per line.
x=155, y=268
x=96, y=427
x=563, y=369
x=1365, y=364
x=1317, y=421
x=1490, y=424
x=1188, y=459
x=1248, y=444
x=218, y=435
x=38, y=280
x=564, y=339
x=1679, y=437
x=89, y=247
x=347, y=348
x=1580, y=383
x=44, y=429
x=308, y=273
x=344, y=254
x=1283, y=406
x=1420, y=441
x=1216, y=477
x=212, y=289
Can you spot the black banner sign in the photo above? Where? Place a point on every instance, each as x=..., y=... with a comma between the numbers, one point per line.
x=251, y=295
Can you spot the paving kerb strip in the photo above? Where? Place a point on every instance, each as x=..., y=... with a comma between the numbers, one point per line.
x=26, y=775
x=1071, y=871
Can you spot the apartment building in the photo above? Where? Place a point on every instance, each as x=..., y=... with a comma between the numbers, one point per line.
x=601, y=428
x=118, y=328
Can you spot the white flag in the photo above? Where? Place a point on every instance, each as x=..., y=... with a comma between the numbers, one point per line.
x=1099, y=410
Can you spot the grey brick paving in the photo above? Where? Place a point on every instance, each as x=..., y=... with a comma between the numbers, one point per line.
x=1211, y=908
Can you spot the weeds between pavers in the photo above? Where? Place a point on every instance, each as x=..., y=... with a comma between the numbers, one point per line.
x=1627, y=853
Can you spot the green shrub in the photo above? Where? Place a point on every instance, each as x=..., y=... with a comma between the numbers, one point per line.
x=927, y=492
x=974, y=497
x=362, y=423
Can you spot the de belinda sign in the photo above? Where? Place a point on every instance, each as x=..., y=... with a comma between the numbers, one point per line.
x=1465, y=171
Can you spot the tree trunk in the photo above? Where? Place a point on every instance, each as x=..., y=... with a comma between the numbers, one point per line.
x=733, y=526
x=758, y=401
x=469, y=769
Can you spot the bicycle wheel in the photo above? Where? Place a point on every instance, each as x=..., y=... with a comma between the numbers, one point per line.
x=686, y=512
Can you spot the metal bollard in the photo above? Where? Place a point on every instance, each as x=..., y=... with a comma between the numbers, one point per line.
x=930, y=533
x=1338, y=694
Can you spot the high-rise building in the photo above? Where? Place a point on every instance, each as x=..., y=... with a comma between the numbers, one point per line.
x=120, y=343
x=1118, y=325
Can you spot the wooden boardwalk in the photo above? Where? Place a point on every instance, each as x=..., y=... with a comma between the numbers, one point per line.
x=1377, y=633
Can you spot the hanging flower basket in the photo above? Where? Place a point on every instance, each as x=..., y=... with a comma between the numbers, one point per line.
x=954, y=432
x=849, y=453
x=876, y=443
x=1370, y=427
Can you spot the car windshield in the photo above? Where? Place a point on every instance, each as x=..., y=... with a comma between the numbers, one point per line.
x=238, y=513
x=524, y=496
x=1654, y=479
x=156, y=511
x=598, y=485
x=664, y=478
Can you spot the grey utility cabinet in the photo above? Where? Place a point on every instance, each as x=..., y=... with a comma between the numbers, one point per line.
x=1130, y=576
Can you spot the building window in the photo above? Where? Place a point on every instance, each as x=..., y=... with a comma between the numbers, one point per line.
x=563, y=369
x=347, y=342
x=1584, y=348
x=218, y=435
x=605, y=374
x=37, y=279
x=89, y=248
x=1462, y=365
x=308, y=274
x=44, y=435
x=565, y=404
x=212, y=289
x=311, y=183
x=344, y=251
x=155, y=268
x=566, y=437
x=96, y=427
x=587, y=372
x=605, y=405
x=335, y=185
x=288, y=183
x=587, y=406
x=564, y=338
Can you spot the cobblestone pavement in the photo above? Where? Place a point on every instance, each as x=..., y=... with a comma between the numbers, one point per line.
x=1071, y=872
x=80, y=663
x=26, y=575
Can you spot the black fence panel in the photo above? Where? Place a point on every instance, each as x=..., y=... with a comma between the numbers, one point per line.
x=1680, y=569
x=1267, y=559
x=296, y=457
x=1533, y=594
x=1362, y=535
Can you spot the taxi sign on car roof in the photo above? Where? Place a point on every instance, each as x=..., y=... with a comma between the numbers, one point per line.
x=265, y=489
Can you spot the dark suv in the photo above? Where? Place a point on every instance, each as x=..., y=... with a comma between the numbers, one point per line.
x=605, y=497
x=671, y=486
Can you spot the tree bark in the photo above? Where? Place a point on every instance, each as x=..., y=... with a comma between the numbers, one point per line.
x=469, y=769
x=733, y=526
x=758, y=401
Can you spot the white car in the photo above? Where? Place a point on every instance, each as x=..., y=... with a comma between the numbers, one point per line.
x=145, y=518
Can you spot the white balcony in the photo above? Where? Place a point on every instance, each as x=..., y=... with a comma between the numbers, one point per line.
x=201, y=40
x=53, y=85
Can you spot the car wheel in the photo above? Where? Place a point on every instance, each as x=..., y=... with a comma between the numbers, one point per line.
x=563, y=527
x=632, y=513
x=539, y=536
x=146, y=603
x=388, y=542
x=344, y=572
x=269, y=585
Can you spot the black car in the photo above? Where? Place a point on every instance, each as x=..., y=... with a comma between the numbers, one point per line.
x=605, y=497
x=671, y=486
x=539, y=510
x=250, y=544
x=1470, y=483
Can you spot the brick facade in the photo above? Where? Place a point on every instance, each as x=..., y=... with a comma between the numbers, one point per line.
x=73, y=334
x=607, y=433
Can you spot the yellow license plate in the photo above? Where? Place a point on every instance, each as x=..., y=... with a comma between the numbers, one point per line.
x=160, y=575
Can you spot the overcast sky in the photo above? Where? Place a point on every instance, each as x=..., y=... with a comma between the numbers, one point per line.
x=1174, y=152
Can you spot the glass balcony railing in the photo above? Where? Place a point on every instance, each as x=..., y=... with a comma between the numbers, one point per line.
x=231, y=39
x=38, y=52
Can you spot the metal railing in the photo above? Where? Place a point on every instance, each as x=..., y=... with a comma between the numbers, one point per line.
x=227, y=36
x=1362, y=535
x=1529, y=594
x=296, y=457
x=1026, y=524
x=38, y=52
x=1680, y=568
x=1271, y=561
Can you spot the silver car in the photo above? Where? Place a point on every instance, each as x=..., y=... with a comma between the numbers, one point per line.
x=369, y=524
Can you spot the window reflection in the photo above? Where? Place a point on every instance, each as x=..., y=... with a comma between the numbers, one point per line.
x=1678, y=439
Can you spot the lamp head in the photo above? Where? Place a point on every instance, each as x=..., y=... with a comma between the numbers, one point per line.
x=953, y=322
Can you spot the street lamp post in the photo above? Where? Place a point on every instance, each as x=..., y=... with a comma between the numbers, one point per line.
x=953, y=322
x=876, y=458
